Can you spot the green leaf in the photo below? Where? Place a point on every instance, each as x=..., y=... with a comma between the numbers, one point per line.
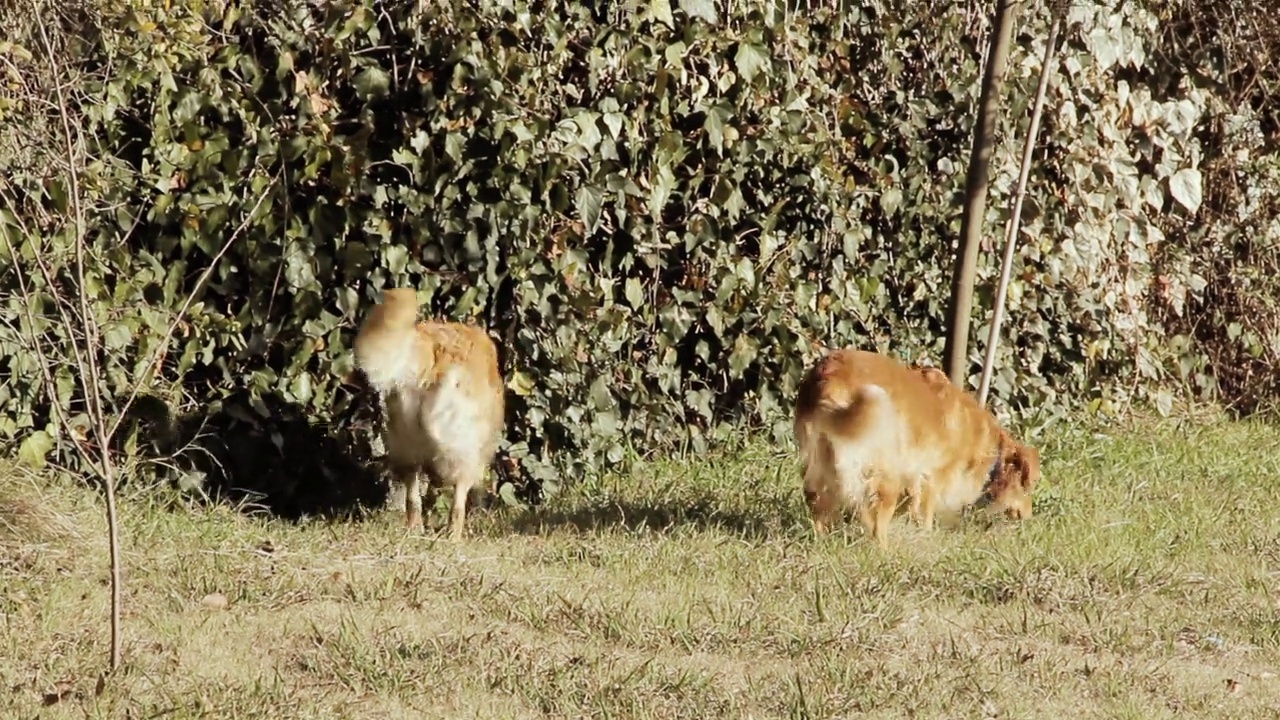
x=891, y=201
x=453, y=145
x=35, y=449
x=660, y=10
x=751, y=60
x=588, y=132
x=372, y=83
x=615, y=121
x=1164, y=402
x=663, y=182
x=590, y=199
x=705, y=9
x=745, y=350
x=507, y=492
x=300, y=388
x=1185, y=186
x=675, y=53
x=117, y=336
x=746, y=272
x=255, y=401
x=635, y=294
x=395, y=258
x=715, y=130
x=715, y=320
x=521, y=384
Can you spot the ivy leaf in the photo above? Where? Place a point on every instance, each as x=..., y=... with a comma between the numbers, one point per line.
x=300, y=388
x=751, y=60
x=891, y=201
x=117, y=336
x=507, y=492
x=521, y=384
x=396, y=258
x=35, y=449
x=705, y=9
x=714, y=320
x=588, y=132
x=590, y=201
x=453, y=146
x=664, y=181
x=614, y=121
x=1185, y=187
x=372, y=83
x=635, y=294
x=660, y=10
x=746, y=272
x=1106, y=50
x=715, y=130
x=744, y=353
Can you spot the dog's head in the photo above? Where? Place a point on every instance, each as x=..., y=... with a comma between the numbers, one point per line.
x=1017, y=473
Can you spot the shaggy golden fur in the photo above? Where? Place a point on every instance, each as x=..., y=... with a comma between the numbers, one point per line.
x=442, y=398
x=872, y=430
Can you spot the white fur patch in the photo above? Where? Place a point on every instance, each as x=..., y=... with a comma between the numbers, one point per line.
x=390, y=365
x=444, y=425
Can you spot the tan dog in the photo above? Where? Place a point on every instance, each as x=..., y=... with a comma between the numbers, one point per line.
x=442, y=399
x=872, y=430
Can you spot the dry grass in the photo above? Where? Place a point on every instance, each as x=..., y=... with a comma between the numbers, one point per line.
x=1145, y=587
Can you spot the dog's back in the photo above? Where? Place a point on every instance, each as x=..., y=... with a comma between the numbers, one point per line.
x=855, y=394
x=442, y=397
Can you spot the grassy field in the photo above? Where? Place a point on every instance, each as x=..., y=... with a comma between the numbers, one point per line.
x=1145, y=587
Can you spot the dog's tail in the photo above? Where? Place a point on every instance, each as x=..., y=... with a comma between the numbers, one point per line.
x=830, y=402
x=384, y=347
x=831, y=389
x=860, y=410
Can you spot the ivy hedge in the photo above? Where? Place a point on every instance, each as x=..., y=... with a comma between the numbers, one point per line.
x=661, y=215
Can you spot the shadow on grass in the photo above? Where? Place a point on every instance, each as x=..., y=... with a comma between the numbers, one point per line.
x=659, y=516
x=270, y=459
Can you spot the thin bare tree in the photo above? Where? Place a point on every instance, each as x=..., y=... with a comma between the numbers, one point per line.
x=1058, y=8
x=44, y=238
x=957, y=347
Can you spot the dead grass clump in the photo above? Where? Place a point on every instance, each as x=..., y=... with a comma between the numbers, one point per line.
x=28, y=514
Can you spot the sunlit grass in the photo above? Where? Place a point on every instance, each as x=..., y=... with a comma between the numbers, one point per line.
x=1145, y=586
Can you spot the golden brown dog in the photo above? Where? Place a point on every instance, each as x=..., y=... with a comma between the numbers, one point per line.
x=872, y=430
x=442, y=399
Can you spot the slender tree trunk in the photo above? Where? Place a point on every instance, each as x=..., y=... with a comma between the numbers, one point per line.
x=1015, y=217
x=957, y=349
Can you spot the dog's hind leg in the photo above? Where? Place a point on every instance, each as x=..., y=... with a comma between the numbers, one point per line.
x=465, y=477
x=410, y=477
x=431, y=489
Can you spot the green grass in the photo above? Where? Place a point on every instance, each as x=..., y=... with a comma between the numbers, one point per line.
x=1144, y=587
